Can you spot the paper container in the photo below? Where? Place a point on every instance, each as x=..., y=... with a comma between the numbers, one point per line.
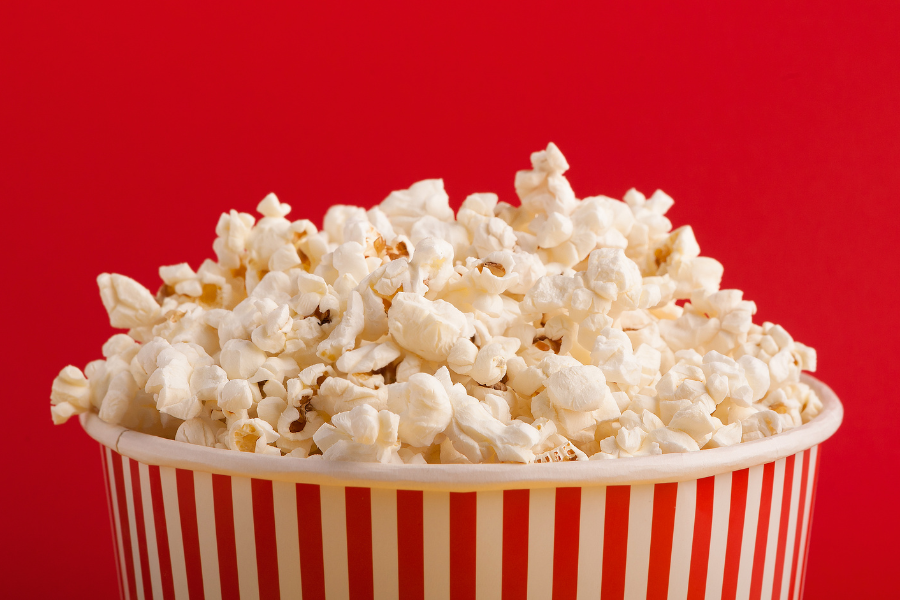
x=193, y=522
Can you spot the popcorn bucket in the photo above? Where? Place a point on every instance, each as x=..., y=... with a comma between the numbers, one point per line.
x=194, y=522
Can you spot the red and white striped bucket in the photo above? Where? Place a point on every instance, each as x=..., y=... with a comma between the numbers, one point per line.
x=191, y=522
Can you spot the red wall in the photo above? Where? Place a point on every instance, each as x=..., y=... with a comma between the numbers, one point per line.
x=126, y=129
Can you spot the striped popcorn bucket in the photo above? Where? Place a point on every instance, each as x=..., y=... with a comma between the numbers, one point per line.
x=190, y=522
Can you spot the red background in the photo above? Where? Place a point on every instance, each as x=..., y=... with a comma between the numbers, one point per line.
x=126, y=129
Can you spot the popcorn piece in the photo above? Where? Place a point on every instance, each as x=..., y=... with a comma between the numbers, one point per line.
x=672, y=440
x=338, y=395
x=117, y=405
x=235, y=397
x=252, y=435
x=170, y=382
x=489, y=366
x=343, y=337
x=581, y=388
x=370, y=357
x=423, y=406
x=610, y=274
x=272, y=208
x=728, y=435
x=241, y=359
x=428, y=328
x=475, y=433
x=128, y=303
x=563, y=453
x=199, y=431
x=71, y=387
x=362, y=434
x=425, y=198
x=431, y=266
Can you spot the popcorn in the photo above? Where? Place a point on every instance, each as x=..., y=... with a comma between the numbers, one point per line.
x=361, y=434
x=71, y=394
x=199, y=431
x=370, y=357
x=128, y=303
x=170, y=382
x=235, y=397
x=252, y=435
x=427, y=328
x=424, y=409
x=241, y=359
x=551, y=331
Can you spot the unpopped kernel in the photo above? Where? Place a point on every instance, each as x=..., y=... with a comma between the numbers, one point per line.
x=557, y=330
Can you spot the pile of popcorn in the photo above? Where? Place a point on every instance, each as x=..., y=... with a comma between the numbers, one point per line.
x=561, y=329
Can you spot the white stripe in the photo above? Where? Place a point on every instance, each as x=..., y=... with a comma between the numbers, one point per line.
x=436, y=542
x=334, y=542
x=774, y=522
x=109, y=504
x=718, y=539
x=114, y=498
x=150, y=527
x=173, y=529
x=541, y=526
x=132, y=526
x=244, y=537
x=385, y=562
x=590, y=545
x=640, y=530
x=792, y=528
x=682, y=539
x=287, y=540
x=489, y=545
x=206, y=532
x=807, y=502
x=748, y=539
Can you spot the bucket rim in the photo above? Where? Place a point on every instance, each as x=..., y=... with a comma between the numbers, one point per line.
x=154, y=450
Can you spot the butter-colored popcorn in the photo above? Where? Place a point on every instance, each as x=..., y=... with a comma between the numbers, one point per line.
x=252, y=435
x=241, y=359
x=128, y=303
x=424, y=409
x=199, y=431
x=557, y=330
x=362, y=434
x=427, y=328
x=71, y=392
x=170, y=383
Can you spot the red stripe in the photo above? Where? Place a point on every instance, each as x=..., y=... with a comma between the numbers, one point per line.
x=264, y=533
x=309, y=533
x=515, y=544
x=141, y=532
x=359, y=542
x=463, y=509
x=123, y=524
x=410, y=545
x=162, y=534
x=112, y=521
x=702, y=534
x=739, y=483
x=783, y=525
x=801, y=510
x=665, y=496
x=615, y=542
x=187, y=510
x=226, y=547
x=762, y=531
x=812, y=506
x=565, y=543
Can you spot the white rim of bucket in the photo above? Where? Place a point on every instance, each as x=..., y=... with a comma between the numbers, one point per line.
x=153, y=450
